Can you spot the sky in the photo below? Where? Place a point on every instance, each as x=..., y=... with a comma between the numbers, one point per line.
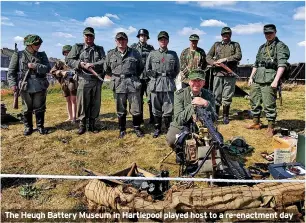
x=61, y=23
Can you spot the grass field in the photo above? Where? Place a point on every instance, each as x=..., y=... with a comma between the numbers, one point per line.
x=64, y=152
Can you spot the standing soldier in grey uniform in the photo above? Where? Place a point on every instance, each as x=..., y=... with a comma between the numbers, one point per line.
x=144, y=50
x=192, y=58
x=82, y=58
x=270, y=65
x=162, y=67
x=35, y=65
x=229, y=53
x=124, y=65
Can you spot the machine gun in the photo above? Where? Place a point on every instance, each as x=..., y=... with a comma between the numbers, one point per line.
x=213, y=154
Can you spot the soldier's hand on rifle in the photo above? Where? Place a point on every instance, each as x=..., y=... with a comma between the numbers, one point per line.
x=32, y=65
x=216, y=63
x=222, y=60
x=88, y=65
x=198, y=101
x=250, y=82
x=14, y=88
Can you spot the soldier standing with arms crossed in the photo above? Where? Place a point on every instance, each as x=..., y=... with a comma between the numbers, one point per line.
x=33, y=67
x=124, y=65
x=270, y=64
x=83, y=57
x=144, y=50
x=162, y=67
x=192, y=58
x=229, y=53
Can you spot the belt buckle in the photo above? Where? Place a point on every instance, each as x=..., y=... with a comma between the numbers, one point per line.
x=122, y=76
x=32, y=76
x=164, y=74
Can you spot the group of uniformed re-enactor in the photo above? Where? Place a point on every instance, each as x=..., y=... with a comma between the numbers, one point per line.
x=139, y=70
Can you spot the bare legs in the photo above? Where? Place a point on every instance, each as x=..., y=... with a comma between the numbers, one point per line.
x=71, y=108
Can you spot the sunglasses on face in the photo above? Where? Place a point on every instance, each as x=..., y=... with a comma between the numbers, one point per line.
x=37, y=43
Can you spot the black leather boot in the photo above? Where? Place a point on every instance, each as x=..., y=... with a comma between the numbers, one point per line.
x=82, y=126
x=217, y=109
x=151, y=113
x=40, y=121
x=28, y=123
x=167, y=121
x=92, y=126
x=122, y=124
x=226, y=109
x=136, y=124
x=158, y=122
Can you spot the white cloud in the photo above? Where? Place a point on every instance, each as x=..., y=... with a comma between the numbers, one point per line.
x=18, y=39
x=5, y=21
x=212, y=22
x=189, y=30
x=299, y=13
x=61, y=34
x=218, y=38
x=111, y=15
x=20, y=13
x=97, y=21
x=56, y=14
x=249, y=28
x=59, y=44
x=37, y=3
x=127, y=31
x=303, y=43
x=212, y=4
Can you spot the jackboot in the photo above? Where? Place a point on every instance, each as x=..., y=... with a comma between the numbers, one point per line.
x=256, y=124
x=82, y=126
x=40, y=121
x=136, y=124
x=167, y=121
x=122, y=124
x=151, y=113
x=28, y=124
x=158, y=123
x=217, y=110
x=92, y=127
x=270, y=130
x=226, y=109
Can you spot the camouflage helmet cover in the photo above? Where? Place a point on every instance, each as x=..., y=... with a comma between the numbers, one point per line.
x=143, y=32
x=66, y=48
x=226, y=30
x=32, y=39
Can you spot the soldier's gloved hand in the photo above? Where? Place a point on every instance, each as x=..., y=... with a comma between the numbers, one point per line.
x=14, y=88
x=250, y=82
x=222, y=60
x=32, y=65
x=198, y=101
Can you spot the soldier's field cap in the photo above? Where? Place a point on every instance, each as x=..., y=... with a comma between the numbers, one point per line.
x=121, y=35
x=89, y=31
x=197, y=74
x=163, y=34
x=226, y=30
x=194, y=37
x=269, y=28
x=32, y=39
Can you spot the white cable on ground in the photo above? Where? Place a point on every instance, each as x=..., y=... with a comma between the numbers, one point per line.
x=69, y=177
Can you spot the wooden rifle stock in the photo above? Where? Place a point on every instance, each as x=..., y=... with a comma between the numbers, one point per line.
x=95, y=73
x=229, y=70
x=15, y=103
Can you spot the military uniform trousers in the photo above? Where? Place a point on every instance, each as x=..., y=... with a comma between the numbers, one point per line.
x=33, y=102
x=266, y=95
x=134, y=101
x=224, y=89
x=162, y=103
x=171, y=135
x=88, y=98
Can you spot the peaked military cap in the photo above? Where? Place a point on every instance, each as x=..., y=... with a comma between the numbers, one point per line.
x=194, y=37
x=32, y=39
x=197, y=74
x=226, y=30
x=66, y=48
x=269, y=28
x=121, y=35
x=163, y=34
x=89, y=31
